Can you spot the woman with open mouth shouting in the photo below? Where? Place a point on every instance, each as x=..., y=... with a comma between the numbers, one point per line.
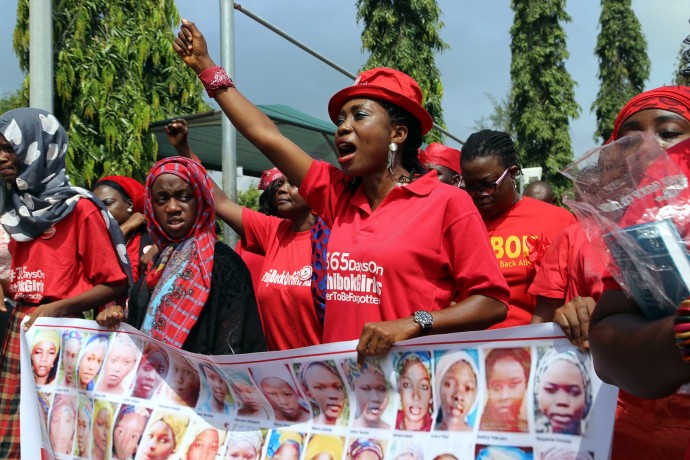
x=382, y=287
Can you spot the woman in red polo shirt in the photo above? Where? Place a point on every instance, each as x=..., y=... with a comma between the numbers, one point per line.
x=402, y=244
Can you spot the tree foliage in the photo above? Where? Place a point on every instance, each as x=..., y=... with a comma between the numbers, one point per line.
x=623, y=62
x=249, y=198
x=499, y=118
x=404, y=35
x=683, y=72
x=12, y=100
x=115, y=73
x=542, y=99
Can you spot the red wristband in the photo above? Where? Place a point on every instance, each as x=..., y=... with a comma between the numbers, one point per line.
x=214, y=79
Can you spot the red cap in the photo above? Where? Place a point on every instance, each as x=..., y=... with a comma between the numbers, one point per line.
x=385, y=84
x=267, y=177
x=443, y=155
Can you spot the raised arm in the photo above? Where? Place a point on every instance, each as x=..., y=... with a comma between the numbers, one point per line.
x=254, y=125
x=226, y=209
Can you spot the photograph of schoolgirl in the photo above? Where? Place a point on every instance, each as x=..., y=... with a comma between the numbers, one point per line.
x=152, y=371
x=284, y=445
x=118, y=371
x=324, y=447
x=507, y=373
x=182, y=384
x=403, y=449
x=245, y=443
x=321, y=383
x=370, y=390
x=128, y=430
x=279, y=388
x=82, y=447
x=562, y=391
x=45, y=347
x=215, y=394
x=90, y=360
x=250, y=401
x=69, y=352
x=415, y=394
x=102, y=429
x=366, y=448
x=459, y=389
x=485, y=452
x=62, y=423
x=163, y=436
x=202, y=441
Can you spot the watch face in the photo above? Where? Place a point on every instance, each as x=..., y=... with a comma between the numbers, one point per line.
x=424, y=319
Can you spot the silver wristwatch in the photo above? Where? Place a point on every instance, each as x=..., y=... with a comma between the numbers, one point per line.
x=424, y=319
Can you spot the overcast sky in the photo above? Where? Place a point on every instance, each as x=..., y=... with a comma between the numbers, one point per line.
x=269, y=70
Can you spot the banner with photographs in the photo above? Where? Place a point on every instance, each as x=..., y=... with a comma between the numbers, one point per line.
x=521, y=393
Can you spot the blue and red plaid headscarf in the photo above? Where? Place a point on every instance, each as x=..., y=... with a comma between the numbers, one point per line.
x=180, y=286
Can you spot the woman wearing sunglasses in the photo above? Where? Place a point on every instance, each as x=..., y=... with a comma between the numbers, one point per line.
x=520, y=228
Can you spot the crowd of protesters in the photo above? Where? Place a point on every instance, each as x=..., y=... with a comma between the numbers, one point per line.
x=397, y=242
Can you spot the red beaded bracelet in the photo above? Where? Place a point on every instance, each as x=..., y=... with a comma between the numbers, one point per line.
x=681, y=329
x=214, y=79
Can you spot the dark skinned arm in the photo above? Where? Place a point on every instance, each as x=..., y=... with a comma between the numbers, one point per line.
x=476, y=312
x=636, y=354
x=98, y=295
x=190, y=46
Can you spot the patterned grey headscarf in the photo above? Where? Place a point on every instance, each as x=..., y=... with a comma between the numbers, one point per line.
x=43, y=195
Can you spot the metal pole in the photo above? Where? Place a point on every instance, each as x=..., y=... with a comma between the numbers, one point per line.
x=318, y=56
x=229, y=139
x=41, y=54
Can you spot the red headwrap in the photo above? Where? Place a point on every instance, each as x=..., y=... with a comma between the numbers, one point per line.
x=132, y=188
x=180, y=285
x=267, y=177
x=675, y=99
x=443, y=155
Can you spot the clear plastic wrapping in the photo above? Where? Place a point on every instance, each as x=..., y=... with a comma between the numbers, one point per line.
x=633, y=200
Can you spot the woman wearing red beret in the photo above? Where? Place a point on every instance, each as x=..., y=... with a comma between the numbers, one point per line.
x=403, y=246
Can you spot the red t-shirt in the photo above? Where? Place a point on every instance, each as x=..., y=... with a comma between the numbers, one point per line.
x=519, y=238
x=283, y=291
x=572, y=266
x=72, y=260
x=424, y=243
x=253, y=261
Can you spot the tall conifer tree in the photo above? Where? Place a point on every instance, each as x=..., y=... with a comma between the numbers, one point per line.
x=115, y=73
x=683, y=71
x=404, y=35
x=542, y=99
x=623, y=62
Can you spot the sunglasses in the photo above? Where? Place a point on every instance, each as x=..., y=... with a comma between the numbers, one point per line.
x=486, y=189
